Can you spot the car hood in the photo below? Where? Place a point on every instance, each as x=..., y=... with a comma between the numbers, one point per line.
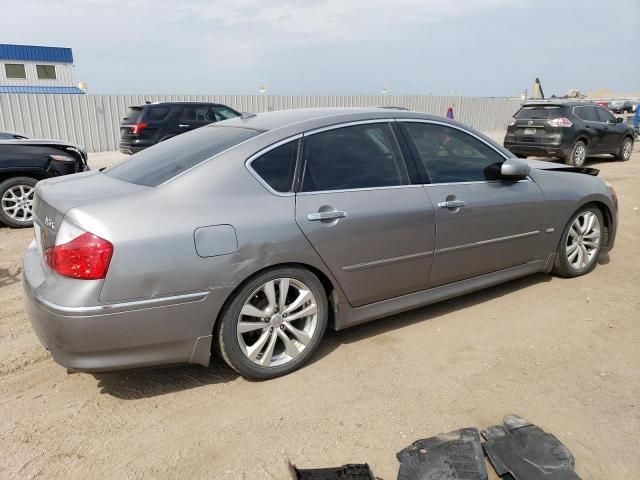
x=561, y=167
x=47, y=143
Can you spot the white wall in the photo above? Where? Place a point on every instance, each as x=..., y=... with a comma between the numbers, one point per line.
x=64, y=75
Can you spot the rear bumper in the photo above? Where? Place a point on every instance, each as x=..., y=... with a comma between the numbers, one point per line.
x=538, y=150
x=161, y=331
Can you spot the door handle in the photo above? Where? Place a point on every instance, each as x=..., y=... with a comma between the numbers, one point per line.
x=452, y=204
x=182, y=125
x=318, y=216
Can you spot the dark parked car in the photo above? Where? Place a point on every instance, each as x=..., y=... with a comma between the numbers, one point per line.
x=11, y=136
x=23, y=163
x=569, y=130
x=146, y=125
x=621, y=106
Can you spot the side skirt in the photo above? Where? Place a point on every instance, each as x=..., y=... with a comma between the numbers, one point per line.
x=348, y=316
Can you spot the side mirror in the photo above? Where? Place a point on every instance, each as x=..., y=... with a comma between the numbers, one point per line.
x=514, y=169
x=619, y=120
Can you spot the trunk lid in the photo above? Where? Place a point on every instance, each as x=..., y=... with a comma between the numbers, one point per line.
x=56, y=196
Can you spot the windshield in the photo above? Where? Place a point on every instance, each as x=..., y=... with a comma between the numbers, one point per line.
x=165, y=160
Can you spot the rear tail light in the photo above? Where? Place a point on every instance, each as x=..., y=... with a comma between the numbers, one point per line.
x=136, y=128
x=79, y=254
x=560, y=122
x=512, y=122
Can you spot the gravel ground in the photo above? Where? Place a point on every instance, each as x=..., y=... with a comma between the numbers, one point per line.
x=562, y=353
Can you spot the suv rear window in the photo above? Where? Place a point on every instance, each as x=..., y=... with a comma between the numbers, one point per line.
x=133, y=114
x=155, y=165
x=539, y=112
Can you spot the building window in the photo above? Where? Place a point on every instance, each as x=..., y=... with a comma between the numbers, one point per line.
x=46, y=72
x=15, y=70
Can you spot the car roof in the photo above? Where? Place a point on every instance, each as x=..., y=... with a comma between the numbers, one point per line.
x=303, y=118
x=177, y=103
x=558, y=103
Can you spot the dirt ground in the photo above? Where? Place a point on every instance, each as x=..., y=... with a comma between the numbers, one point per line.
x=564, y=354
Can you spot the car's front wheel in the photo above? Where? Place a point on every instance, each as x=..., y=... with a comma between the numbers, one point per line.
x=273, y=324
x=624, y=153
x=580, y=244
x=578, y=154
x=16, y=201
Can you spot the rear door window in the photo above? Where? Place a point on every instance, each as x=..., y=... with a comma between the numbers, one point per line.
x=277, y=167
x=155, y=165
x=195, y=114
x=361, y=156
x=156, y=114
x=587, y=113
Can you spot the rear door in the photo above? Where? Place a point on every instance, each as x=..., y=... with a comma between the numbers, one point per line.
x=483, y=224
x=596, y=129
x=357, y=206
x=614, y=131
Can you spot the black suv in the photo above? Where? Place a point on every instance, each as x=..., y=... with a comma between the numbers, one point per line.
x=146, y=125
x=568, y=130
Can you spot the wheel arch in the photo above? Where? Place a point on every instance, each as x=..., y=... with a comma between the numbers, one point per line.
x=327, y=284
x=35, y=174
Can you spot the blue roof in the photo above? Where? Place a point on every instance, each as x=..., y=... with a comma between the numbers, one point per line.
x=29, y=89
x=32, y=53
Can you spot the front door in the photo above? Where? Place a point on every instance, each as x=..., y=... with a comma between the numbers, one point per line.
x=483, y=224
x=373, y=229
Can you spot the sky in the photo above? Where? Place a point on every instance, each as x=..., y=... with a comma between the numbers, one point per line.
x=332, y=47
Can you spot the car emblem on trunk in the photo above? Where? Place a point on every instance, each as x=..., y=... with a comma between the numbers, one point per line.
x=49, y=222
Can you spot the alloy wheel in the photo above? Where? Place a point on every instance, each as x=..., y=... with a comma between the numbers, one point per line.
x=277, y=322
x=579, y=155
x=583, y=241
x=17, y=203
x=626, y=150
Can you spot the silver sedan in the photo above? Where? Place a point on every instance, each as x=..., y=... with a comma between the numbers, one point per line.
x=250, y=237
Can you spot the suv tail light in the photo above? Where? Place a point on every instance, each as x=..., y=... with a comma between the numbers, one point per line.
x=136, y=128
x=560, y=122
x=79, y=254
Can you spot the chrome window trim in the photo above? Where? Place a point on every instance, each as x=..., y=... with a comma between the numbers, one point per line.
x=487, y=242
x=528, y=179
x=347, y=124
x=463, y=130
x=263, y=151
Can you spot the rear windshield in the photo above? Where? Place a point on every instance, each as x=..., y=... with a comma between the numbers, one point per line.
x=165, y=160
x=133, y=114
x=542, y=112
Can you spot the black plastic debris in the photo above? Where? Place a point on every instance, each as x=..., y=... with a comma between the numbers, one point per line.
x=450, y=456
x=520, y=450
x=345, y=472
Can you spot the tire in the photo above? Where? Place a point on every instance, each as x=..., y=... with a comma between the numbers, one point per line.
x=578, y=154
x=16, y=199
x=248, y=352
x=520, y=155
x=567, y=263
x=624, y=152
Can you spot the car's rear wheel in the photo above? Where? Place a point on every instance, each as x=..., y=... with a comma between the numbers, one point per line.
x=578, y=154
x=626, y=147
x=16, y=201
x=580, y=244
x=273, y=324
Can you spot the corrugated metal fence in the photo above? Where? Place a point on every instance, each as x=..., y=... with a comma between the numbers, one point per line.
x=93, y=120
